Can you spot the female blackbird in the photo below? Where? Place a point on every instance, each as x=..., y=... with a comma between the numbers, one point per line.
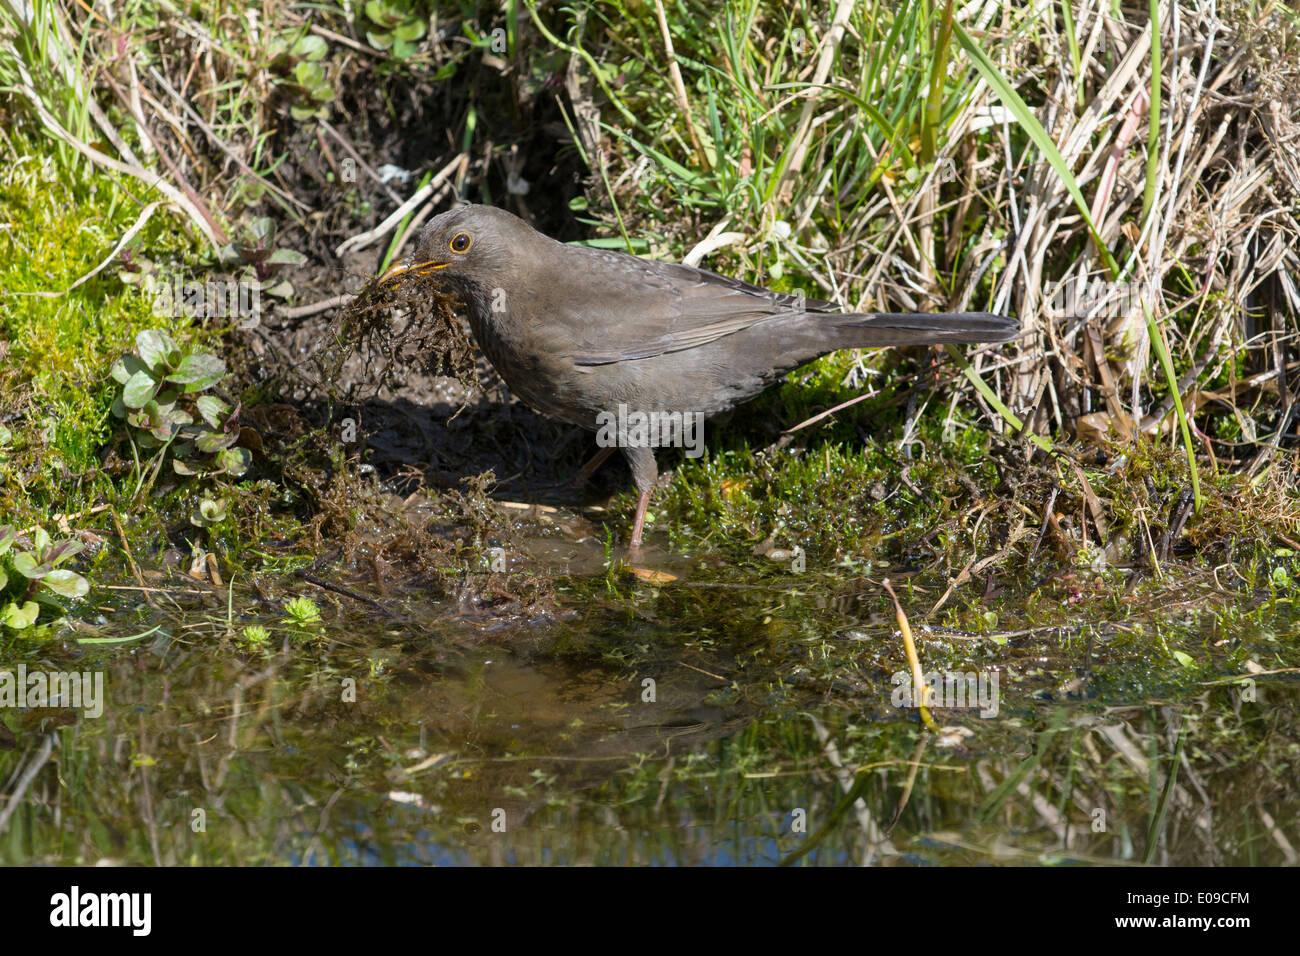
x=594, y=337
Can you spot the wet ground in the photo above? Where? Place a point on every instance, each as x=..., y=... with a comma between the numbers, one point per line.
x=706, y=708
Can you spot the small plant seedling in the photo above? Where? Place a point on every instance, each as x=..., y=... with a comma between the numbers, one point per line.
x=395, y=26
x=209, y=512
x=255, y=637
x=256, y=248
x=302, y=611
x=161, y=397
x=25, y=576
x=297, y=67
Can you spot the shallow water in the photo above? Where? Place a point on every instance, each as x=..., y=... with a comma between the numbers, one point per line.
x=732, y=715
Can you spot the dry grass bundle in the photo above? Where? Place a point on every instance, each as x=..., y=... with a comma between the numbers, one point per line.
x=1202, y=224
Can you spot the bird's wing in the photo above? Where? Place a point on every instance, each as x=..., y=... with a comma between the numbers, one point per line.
x=663, y=307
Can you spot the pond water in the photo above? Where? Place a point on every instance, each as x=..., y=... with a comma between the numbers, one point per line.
x=732, y=714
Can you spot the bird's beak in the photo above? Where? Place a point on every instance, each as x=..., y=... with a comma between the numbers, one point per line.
x=409, y=265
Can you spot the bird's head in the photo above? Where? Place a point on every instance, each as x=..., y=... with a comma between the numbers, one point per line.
x=467, y=246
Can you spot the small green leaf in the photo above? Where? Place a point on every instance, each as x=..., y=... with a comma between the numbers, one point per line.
x=211, y=441
x=212, y=409
x=309, y=75
x=7, y=534
x=281, y=289
x=68, y=583
x=309, y=48
x=157, y=349
x=25, y=563
x=198, y=371
x=209, y=512
x=141, y=388
x=125, y=367
x=63, y=551
x=411, y=30
x=286, y=257
x=1185, y=659
x=236, y=461
x=20, y=617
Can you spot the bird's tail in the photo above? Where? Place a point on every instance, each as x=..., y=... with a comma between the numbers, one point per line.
x=875, y=329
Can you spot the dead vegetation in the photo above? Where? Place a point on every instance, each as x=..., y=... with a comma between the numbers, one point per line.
x=1215, y=255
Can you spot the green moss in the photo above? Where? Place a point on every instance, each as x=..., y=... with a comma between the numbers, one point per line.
x=56, y=227
x=830, y=490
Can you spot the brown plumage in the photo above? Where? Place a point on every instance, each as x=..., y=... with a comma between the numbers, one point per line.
x=576, y=332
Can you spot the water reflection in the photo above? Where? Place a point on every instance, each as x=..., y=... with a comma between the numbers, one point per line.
x=682, y=729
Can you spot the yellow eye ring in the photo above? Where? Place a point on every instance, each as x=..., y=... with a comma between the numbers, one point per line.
x=460, y=242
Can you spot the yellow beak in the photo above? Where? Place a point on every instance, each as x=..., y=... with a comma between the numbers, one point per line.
x=405, y=266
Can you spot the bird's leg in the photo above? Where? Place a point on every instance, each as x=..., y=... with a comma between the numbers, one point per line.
x=644, y=473
x=584, y=474
x=638, y=523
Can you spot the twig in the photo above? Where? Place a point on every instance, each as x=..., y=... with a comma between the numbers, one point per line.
x=346, y=41
x=324, y=305
x=364, y=239
x=346, y=592
x=25, y=781
x=679, y=87
x=830, y=411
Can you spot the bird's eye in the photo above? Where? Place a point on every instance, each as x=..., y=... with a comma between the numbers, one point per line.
x=460, y=242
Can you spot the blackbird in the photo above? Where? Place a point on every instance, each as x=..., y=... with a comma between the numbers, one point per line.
x=588, y=335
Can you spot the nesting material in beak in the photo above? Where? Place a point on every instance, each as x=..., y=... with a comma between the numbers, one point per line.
x=407, y=265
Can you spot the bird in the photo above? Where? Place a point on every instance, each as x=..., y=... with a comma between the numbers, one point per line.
x=585, y=334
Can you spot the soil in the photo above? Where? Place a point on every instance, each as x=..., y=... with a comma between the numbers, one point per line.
x=411, y=419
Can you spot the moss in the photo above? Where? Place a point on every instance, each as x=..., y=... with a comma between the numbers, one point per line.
x=56, y=225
